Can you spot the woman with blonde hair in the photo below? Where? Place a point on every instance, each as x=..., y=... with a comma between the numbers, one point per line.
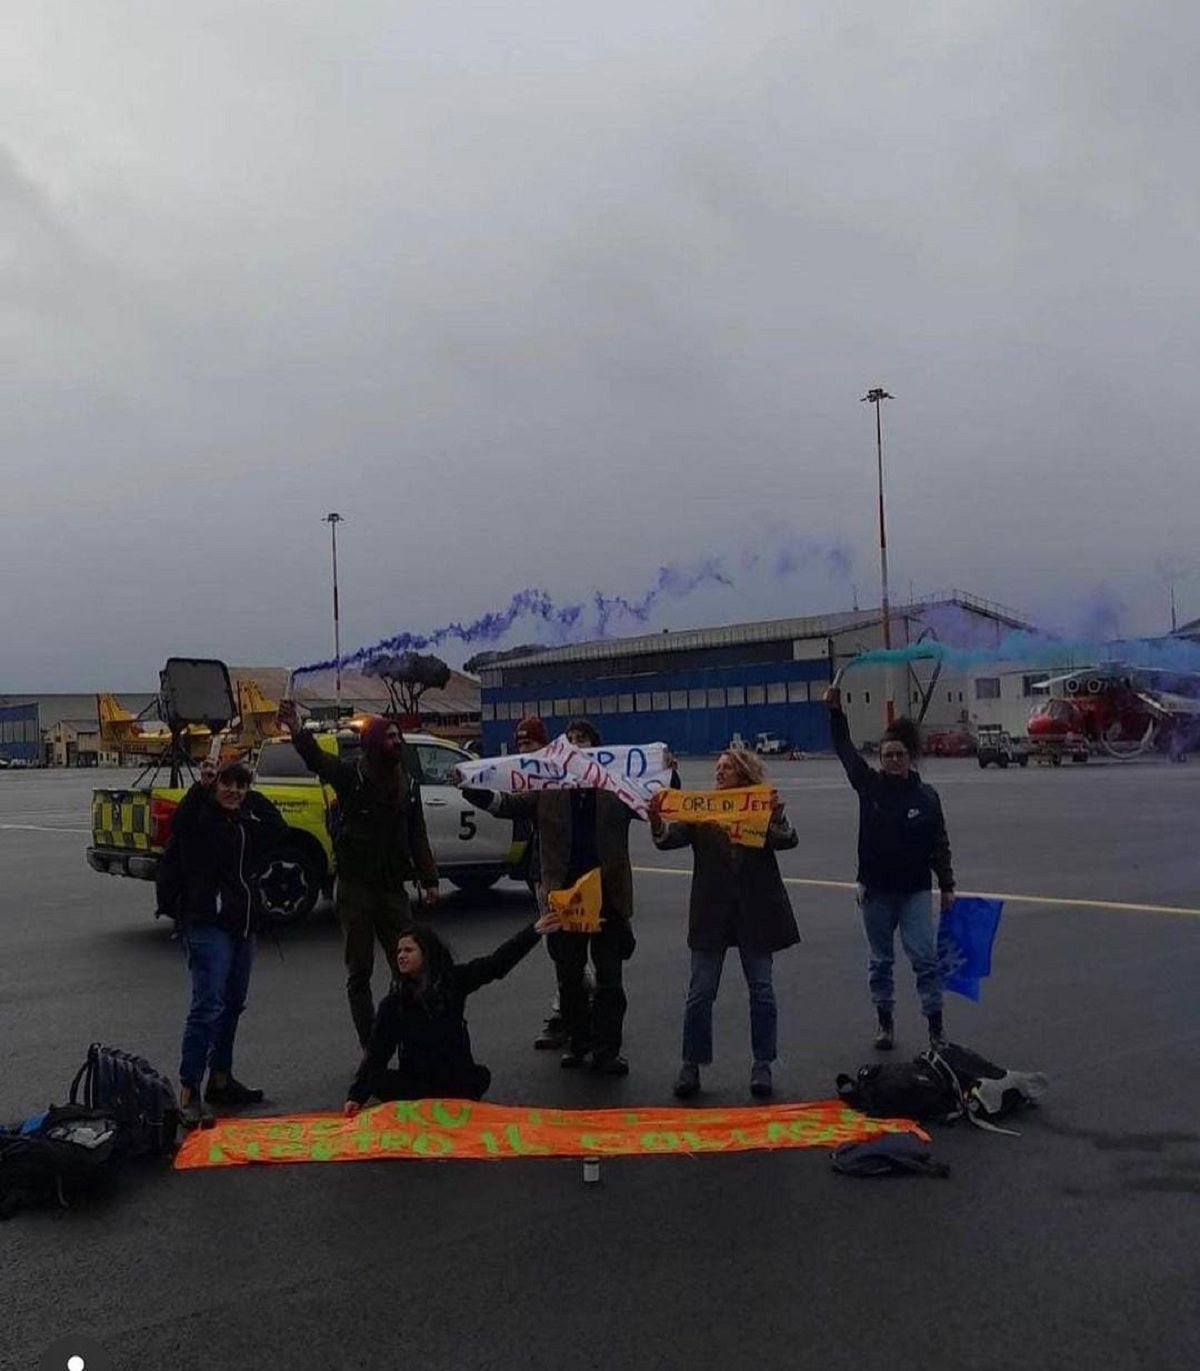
x=738, y=900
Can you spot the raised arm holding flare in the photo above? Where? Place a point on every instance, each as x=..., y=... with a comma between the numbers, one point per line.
x=381, y=844
x=902, y=841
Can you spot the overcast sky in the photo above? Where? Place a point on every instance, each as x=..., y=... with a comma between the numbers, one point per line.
x=540, y=293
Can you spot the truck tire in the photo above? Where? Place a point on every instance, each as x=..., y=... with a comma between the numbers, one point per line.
x=983, y=763
x=1002, y=760
x=289, y=885
x=1024, y=760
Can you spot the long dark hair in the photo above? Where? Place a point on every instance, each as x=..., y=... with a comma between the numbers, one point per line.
x=436, y=964
x=904, y=730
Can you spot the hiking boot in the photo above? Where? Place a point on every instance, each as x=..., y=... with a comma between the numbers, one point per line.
x=233, y=1092
x=194, y=1113
x=687, y=1083
x=937, y=1031
x=885, y=1034
x=761, y=1085
x=609, y=1064
x=553, y=1036
x=572, y=1060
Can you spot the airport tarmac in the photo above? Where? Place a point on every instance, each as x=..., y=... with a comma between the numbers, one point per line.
x=1073, y=1244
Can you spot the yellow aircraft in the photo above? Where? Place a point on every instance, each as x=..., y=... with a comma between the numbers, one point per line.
x=258, y=719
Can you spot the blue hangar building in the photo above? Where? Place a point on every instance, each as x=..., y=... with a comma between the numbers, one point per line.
x=698, y=689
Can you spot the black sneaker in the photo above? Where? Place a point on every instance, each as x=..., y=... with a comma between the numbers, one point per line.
x=196, y=1114
x=937, y=1032
x=687, y=1084
x=761, y=1085
x=233, y=1092
x=609, y=1064
x=572, y=1060
x=553, y=1037
x=885, y=1038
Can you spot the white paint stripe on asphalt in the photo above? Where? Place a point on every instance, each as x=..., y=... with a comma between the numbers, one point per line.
x=44, y=828
x=1060, y=901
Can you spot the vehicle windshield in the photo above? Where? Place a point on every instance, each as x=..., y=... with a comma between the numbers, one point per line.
x=281, y=762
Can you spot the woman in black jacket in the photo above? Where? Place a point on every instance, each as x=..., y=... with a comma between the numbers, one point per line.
x=901, y=842
x=738, y=900
x=222, y=829
x=423, y=1020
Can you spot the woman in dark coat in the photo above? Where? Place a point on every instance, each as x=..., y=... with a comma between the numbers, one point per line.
x=738, y=900
x=423, y=1020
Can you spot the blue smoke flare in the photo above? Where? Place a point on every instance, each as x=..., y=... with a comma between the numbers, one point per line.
x=598, y=615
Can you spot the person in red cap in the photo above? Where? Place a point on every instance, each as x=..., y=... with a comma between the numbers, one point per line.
x=380, y=845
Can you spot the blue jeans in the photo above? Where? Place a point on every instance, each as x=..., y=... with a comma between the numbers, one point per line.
x=882, y=915
x=219, y=963
x=706, y=979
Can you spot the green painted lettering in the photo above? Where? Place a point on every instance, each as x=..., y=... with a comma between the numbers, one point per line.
x=443, y=1115
x=659, y=1142
x=602, y=1142
x=395, y=1140
x=517, y=1144
x=432, y=1145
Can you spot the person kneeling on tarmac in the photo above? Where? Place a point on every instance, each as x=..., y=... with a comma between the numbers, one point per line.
x=423, y=1020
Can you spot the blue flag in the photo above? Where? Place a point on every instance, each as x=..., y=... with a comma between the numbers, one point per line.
x=965, y=937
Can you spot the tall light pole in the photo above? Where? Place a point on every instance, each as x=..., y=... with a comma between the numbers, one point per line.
x=333, y=520
x=876, y=397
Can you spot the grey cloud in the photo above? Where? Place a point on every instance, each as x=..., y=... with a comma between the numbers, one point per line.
x=447, y=268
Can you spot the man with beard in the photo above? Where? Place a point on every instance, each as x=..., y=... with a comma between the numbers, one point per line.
x=381, y=843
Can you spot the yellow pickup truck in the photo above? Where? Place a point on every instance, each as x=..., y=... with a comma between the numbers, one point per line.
x=473, y=849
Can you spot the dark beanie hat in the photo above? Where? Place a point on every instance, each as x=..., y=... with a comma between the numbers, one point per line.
x=534, y=729
x=374, y=732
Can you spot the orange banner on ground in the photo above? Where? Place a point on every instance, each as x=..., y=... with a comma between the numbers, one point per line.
x=457, y=1129
x=744, y=813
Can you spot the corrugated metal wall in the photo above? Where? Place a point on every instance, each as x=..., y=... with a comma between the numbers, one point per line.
x=20, y=733
x=695, y=712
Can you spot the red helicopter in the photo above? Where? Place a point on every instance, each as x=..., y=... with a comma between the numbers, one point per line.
x=1113, y=709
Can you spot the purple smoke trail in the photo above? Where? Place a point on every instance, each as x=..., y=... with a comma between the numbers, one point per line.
x=792, y=555
x=537, y=604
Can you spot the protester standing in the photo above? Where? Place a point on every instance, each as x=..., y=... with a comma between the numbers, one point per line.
x=223, y=829
x=738, y=900
x=578, y=831
x=902, y=841
x=422, y=1021
x=530, y=736
x=381, y=843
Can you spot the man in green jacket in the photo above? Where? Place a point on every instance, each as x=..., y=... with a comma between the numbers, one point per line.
x=381, y=844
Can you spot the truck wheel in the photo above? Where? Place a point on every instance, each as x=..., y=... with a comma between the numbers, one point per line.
x=1056, y=759
x=474, y=882
x=983, y=763
x=289, y=885
x=1002, y=761
x=1023, y=761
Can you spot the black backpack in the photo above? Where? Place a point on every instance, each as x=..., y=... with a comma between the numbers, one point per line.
x=919, y=1089
x=130, y=1090
x=65, y=1158
x=989, y=1092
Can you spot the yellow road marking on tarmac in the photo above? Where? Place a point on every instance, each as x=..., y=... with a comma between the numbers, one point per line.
x=1062, y=902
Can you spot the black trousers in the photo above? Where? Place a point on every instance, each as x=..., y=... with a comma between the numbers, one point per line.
x=595, y=1024
x=402, y=1083
x=368, y=915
